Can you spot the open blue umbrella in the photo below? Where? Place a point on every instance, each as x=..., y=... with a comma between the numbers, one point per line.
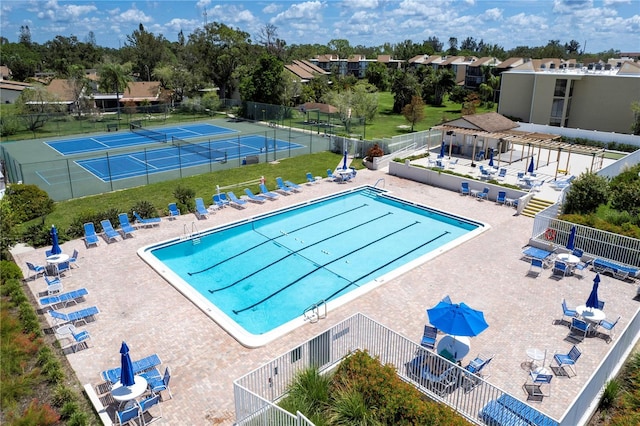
x=592, y=301
x=491, y=157
x=572, y=238
x=531, y=166
x=457, y=319
x=55, y=247
x=344, y=162
x=441, y=150
x=126, y=367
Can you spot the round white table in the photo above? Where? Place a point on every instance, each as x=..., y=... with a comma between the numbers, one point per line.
x=536, y=354
x=126, y=393
x=57, y=258
x=568, y=258
x=458, y=346
x=590, y=314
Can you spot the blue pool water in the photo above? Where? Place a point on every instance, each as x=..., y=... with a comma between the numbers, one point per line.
x=262, y=273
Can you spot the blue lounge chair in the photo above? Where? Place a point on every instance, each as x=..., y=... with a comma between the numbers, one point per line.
x=253, y=197
x=579, y=328
x=235, y=201
x=127, y=415
x=311, y=179
x=284, y=189
x=484, y=195
x=502, y=197
x=609, y=326
x=125, y=225
x=108, y=231
x=220, y=202
x=173, y=210
x=502, y=174
x=74, y=297
x=567, y=312
x=331, y=176
x=145, y=405
x=201, y=210
x=54, y=285
x=73, y=260
x=140, y=366
x=148, y=222
x=266, y=193
x=82, y=315
x=464, y=188
x=560, y=268
x=536, y=267
x=536, y=253
x=77, y=338
x=429, y=337
x=90, y=236
x=617, y=270
x=293, y=186
x=568, y=360
x=159, y=384
x=35, y=270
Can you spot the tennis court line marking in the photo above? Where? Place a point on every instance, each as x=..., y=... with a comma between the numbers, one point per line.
x=42, y=177
x=100, y=143
x=142, y=162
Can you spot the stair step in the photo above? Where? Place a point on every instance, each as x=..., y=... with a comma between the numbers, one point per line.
x=534, y=206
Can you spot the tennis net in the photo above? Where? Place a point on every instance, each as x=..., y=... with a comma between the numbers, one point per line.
x=151, y=134
x=201, y=149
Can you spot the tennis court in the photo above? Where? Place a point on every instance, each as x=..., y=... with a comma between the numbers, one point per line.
x=181, y=154
x=141, y=136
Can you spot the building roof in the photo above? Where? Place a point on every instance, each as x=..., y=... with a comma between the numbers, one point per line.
x=308, y=66
x=61, y=88
x=5, y=72
x=299, y=72
x=488, y=122
x=511, y=62
x=14, y=85
x=485, y=60
x=142, y=90
x=323, y=108
x=423, y=59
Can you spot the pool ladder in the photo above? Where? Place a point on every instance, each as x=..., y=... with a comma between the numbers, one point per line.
x=186, y=235
x=378, y=181
x=316, y=312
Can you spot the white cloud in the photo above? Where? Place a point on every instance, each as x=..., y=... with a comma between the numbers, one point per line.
x=570, y=6
x=494, y=14
x=360, y=4
x=615, y=2
x=177, y=24
x=135, y=16
x=63, y=13
x=271, y=8
x=310, y=10
x=202, y=4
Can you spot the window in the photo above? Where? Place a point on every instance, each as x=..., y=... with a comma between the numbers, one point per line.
x=561, y=88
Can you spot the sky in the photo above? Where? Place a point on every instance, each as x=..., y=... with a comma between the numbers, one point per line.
x=598, y=25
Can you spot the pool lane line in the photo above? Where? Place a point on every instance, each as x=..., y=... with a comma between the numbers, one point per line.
x=292, y=252
x=385, y=265
x=324, y=266
x=271, y=239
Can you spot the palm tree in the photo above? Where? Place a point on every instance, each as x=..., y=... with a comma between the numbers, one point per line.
x=114, y=78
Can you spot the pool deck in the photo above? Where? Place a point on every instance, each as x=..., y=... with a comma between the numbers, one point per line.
x=140, y=307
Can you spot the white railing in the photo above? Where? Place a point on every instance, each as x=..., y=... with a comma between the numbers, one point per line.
x=256, y=393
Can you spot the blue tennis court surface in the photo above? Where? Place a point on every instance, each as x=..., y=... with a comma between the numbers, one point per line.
x=126, y=138
x=133, y=164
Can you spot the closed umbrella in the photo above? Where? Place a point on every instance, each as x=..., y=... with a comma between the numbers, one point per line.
x=126, y=367
x=592, y=301
x=441, y=150
x=491, y=157
x=572, y=238
x=55, y=248
x=531, y=166
x=457, y=319
x=344, y=161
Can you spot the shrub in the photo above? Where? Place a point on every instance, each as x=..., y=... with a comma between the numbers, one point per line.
x=38, y=235
x=36, y=414
x=144, y=209
x=9, y=270
x=586, y=193
x=374, y=151
x=62, y=395
x=309, y=394
x=28, y=202
x=76, y=228
x=611, y=390
x=185, y=197
x=625, y=196
x=78, y=419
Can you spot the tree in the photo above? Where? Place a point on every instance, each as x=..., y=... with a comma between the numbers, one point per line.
x=625, y=196
x=36, y=105
x=115, y=78
x=341, y=47
x=635, y=126
x=586, y=194
x=80, y=88
x=378, y=74
x=414, y=111
x=572, y=47
x=432, y=42
x=405, y=86
x=436, y=85
x=469, y=44
x=268, y=37
x=146, y=51
x=28, y=202
x=262, y=82
x=177, y=80
x=453, y=46
x=25, y=35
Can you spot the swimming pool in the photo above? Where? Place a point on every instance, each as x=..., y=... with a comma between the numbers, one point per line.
x=256, y=277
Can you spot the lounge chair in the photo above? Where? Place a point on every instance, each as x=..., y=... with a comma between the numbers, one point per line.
x=145, y=405
x=62, y=267
x=560, y=268
x=201, y=211
x=294, y=186
x=125, y=225
x=464, y=188
x=54, y=285
x=568, y=360
x=567, y=312
x=609, y=326
x=147, y=363
x=73, y=260
x=266, y=193
x=90, y=236
x=536, y=267
x=502, y=197
x=534, y=389
x=617, y=270
x=82, y=315
x=537, y=253
x=219, y=201
x=453, y=164
x=127, y=415
x=502, y=174
x=77, y=338
x=484, y=195
x=311, y=179
x=173, y=210
x=429, y=337
x=253, y=197
x=284, y=189
x=159, y=384
x=108, y=231
x=507, y=410
x=235, y=201
x=35, y=270
x=64, y=298
x=148, y=222
x=579, y=329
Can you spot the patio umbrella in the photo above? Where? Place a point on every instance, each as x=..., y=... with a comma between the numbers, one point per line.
x=441, y=150
x=572, y=238
x=592, y=301
x=491, y=157
x=531, y=166
x=55, y=248
x=344, y=161
x=126, y=367
x=457, y=319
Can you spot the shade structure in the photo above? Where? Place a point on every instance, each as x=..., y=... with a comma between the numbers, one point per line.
x=126, y=367
x=531, y=166
x=55, y=247
x=592, y=301
x=491, y=157
x=457, y=319
x=572, y=238
x=344, y=161
x=441, y=150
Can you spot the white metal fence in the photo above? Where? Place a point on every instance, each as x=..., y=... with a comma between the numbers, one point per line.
x=256, y=392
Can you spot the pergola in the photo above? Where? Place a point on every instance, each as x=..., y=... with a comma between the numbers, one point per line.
x=529, y=140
